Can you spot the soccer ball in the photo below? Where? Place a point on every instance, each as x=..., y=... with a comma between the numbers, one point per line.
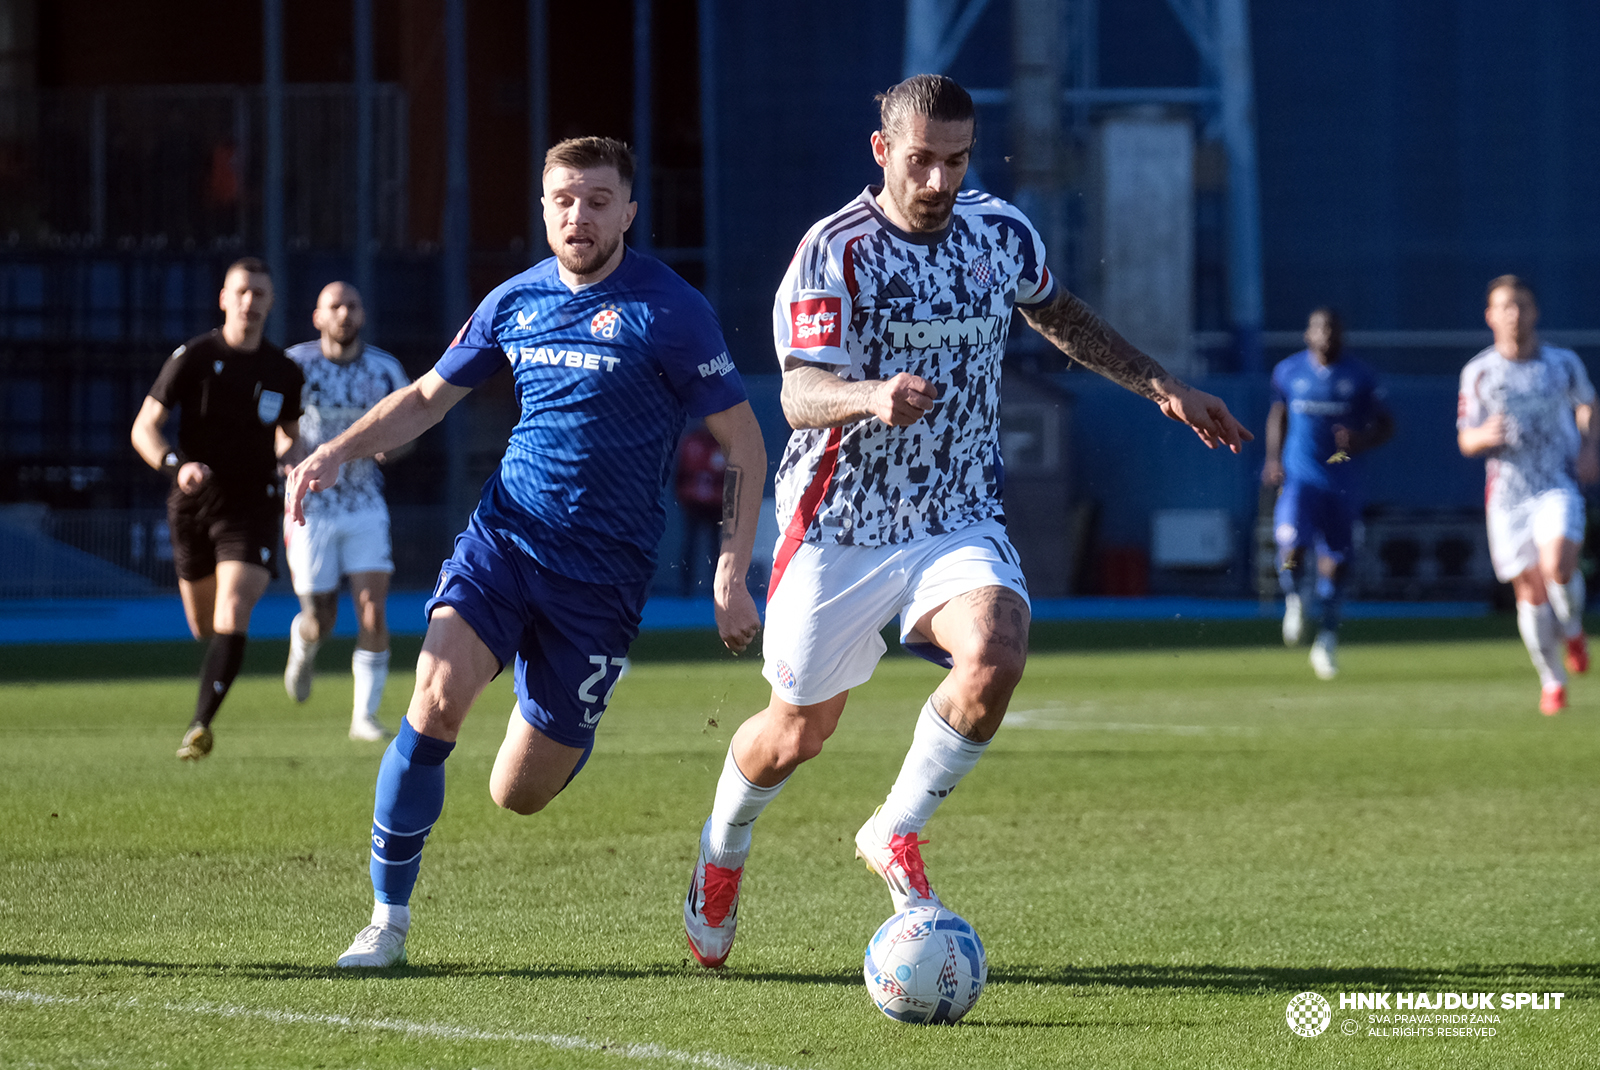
x=925, y=965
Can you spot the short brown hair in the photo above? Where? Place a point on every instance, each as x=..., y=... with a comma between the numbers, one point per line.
x=932, y=96
x=1513, y=281
x=253, y=264
x=582, y=153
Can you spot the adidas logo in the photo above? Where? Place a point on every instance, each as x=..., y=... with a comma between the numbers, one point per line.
x=896, y=288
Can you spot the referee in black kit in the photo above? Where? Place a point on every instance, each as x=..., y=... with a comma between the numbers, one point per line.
x=239, y=399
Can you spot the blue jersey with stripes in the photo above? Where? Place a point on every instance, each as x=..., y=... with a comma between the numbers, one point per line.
x=606, y=378
x=1319, y=398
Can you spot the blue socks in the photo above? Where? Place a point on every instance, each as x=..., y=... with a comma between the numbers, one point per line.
x=1330, y=593
x=408, y=800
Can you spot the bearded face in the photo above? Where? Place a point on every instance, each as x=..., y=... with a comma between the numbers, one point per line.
x=924, y=163
x=586, y=213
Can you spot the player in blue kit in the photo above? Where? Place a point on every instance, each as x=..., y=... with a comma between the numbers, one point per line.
x=611, y=352
x=1326, y=409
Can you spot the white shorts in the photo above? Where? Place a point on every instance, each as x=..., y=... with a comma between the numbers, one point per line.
x=334, y=545
x=1516, y=532
x=826, y=608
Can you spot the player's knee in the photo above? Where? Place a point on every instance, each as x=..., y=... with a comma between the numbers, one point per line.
x=1561, y=572
x=797, y=740
x=991, y=664
x=998, y=674
x=521, y=799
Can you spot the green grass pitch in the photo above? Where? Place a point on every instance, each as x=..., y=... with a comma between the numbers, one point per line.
x=1162, y=847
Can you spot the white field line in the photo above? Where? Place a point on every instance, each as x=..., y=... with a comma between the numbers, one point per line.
x=1054, y=719
x=431, y=1030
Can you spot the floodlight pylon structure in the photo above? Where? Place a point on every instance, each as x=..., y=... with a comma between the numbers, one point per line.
x=936, y=30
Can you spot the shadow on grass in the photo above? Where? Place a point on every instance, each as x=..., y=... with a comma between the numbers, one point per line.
x=1580, y=979
x=291, y=971
x=1575, y=978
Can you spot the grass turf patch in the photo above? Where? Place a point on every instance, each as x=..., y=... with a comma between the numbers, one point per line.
x=1161, y=848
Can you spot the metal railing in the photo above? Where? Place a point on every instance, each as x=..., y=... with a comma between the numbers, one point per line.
x=181, y=166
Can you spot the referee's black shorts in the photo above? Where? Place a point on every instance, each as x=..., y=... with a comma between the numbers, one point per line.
x=206, y=530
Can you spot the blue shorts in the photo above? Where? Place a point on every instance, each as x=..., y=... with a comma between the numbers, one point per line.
x=570, y=638
x=1311, y=516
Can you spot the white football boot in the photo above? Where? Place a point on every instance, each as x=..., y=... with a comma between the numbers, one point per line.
x=376, y=947
x=711, y=909
x=898, y=860
x=368, y=728
x=1325, y=656
x=297, y=673
x=1294, y=619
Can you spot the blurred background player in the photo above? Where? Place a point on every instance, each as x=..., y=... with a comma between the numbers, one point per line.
x=698, y=485
x=611, y=352
x=1529, y=409
x=1326, y=409
x=238, y=399
x=890, y=326
x=346, y=532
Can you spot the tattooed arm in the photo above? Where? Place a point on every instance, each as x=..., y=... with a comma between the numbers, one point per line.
x=815, y=396
x=1075, y=329
x=737, y=432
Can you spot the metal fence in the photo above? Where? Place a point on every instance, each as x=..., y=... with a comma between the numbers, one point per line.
x=181, y=167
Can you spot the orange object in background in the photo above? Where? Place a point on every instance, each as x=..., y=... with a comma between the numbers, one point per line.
x=1124, y=571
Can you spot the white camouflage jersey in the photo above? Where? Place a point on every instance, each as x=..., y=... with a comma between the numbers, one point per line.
x=873, y=300
x=336, y=396
x=1537, y=397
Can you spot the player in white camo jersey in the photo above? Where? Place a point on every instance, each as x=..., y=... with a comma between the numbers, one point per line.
x=1529, y=409
x=346, y=532
x=890, y=326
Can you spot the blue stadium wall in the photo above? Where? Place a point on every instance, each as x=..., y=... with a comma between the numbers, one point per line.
x=1409, y=152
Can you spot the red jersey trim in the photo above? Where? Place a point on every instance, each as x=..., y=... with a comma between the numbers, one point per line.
x=806, y=511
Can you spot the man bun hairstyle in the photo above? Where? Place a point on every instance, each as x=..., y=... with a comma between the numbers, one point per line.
x=932, y=96
x=253, y=264
x=1516, y=282
x=582, y=153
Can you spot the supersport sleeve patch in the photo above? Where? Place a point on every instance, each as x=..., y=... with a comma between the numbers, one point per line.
x=811, y=306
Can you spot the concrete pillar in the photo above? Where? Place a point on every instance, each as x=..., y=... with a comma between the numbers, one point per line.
x=365, y=230
x=1147, y=234
x=1038, y=59
x=273, y=241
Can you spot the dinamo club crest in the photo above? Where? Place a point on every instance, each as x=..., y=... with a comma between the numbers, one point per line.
x=605, y=323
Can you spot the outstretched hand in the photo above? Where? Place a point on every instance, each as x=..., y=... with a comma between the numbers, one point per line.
x=1208, y=416
x=317, y=472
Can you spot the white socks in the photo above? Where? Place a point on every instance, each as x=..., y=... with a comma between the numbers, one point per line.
x=371, y=671
x=298, y=647
x=727, y=835
x=1541, y=635
x=939, y=757
x=1567, y=600
x=391, y=916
